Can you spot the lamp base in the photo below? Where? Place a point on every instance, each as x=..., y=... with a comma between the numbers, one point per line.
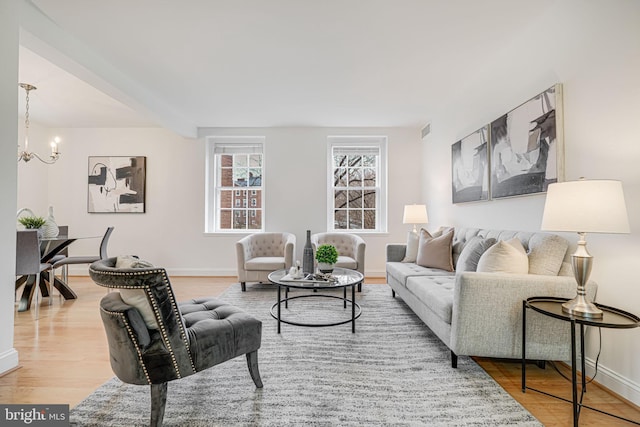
x=579, y=306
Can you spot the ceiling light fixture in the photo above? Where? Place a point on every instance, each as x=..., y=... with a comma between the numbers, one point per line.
x=26, y=155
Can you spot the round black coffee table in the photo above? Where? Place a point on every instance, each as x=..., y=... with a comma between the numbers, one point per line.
x=344, y=278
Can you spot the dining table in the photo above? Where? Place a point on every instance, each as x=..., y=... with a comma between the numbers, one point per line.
x=49, y=248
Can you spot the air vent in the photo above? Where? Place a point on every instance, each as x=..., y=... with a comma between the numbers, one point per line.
x=426, y=130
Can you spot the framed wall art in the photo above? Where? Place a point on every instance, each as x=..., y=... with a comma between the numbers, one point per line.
x=117, y=184
x=527, y=150
x=470, y=167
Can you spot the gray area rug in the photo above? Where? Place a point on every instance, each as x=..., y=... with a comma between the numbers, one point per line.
x=392, y=372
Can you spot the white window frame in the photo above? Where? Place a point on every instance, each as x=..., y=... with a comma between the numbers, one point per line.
x=216, y=145
x=359, y=142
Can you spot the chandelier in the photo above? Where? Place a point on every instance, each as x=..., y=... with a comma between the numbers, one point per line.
x=25, y=154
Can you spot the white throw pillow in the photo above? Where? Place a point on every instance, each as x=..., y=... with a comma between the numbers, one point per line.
x=412, y=247
x=505, y=257
x=137, y=297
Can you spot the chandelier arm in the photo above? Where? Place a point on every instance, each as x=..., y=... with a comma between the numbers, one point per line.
x=52, y=160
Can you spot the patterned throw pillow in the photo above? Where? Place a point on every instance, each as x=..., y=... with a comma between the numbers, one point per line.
x=505, y=257
x=435, y=252
x=473, y=250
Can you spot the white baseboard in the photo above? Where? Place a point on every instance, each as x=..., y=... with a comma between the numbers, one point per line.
x=8, y=360
x=202, y=272
x=614, y=381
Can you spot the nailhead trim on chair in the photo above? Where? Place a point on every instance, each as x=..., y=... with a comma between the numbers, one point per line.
x=163, y=330
x=156, y=311
x=183, y=333
x=133, y=339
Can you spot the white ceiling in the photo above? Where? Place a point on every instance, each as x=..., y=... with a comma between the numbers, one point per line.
x=246, y=63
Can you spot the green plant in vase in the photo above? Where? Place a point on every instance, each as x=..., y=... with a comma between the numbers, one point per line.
x=326, y=255
x=33, y=223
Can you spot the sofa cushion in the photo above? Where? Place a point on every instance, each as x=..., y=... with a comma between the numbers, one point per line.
x=435, y=292
x=546, y=253
x=264, y=263
x=412, y=247
x=442, y=230
x=471, y=253
x=400, y=271
x=506, y=256
x=435, y=252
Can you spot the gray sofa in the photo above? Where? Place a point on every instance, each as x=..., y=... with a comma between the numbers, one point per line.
x=480, y=314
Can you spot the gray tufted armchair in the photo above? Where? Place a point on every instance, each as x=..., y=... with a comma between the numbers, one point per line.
x=351, y=248
x=153, y=339
x=259, y=254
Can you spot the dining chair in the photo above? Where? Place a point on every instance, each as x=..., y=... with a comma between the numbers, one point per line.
x=28, y=264
x=63, y=231
x=70, y=260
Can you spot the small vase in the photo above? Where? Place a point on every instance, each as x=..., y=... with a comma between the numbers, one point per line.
x=50, y=228
x=307, y=256
x=40, y=232
x=325, y=267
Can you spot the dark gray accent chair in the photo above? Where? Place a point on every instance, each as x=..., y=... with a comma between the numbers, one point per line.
x=191, y=336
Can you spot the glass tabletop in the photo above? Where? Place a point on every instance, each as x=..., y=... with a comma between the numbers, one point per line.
x=612, y=317
x=341, y=277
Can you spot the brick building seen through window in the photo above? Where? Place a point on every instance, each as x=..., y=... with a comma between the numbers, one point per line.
x=240, y=208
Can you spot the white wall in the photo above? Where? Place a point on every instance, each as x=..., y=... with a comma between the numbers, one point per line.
x=593, y=49
x=8, y=134
x=33, y=177
x=171, y=232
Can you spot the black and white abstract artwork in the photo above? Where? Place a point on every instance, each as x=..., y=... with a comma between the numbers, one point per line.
x=117, y=184
x=470, y=167
x=526, y=146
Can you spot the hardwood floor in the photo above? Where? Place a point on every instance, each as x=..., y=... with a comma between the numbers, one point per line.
x=64, y=358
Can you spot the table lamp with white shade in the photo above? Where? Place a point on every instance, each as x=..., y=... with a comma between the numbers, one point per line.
x=585, y=206
x=415, y=214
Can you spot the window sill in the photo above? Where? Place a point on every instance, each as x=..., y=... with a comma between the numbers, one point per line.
x=230, y=233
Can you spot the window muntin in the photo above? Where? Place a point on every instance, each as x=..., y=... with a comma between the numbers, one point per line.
x=357, y=198
x=235, y=172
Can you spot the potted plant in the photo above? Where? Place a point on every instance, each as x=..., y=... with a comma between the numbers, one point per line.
x=32, y=223
x=326, y=255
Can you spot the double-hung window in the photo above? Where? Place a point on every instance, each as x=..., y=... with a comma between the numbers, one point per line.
x=357, y=198
x=234, y=174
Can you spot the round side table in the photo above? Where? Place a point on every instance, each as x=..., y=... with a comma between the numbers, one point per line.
x=613, y=318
